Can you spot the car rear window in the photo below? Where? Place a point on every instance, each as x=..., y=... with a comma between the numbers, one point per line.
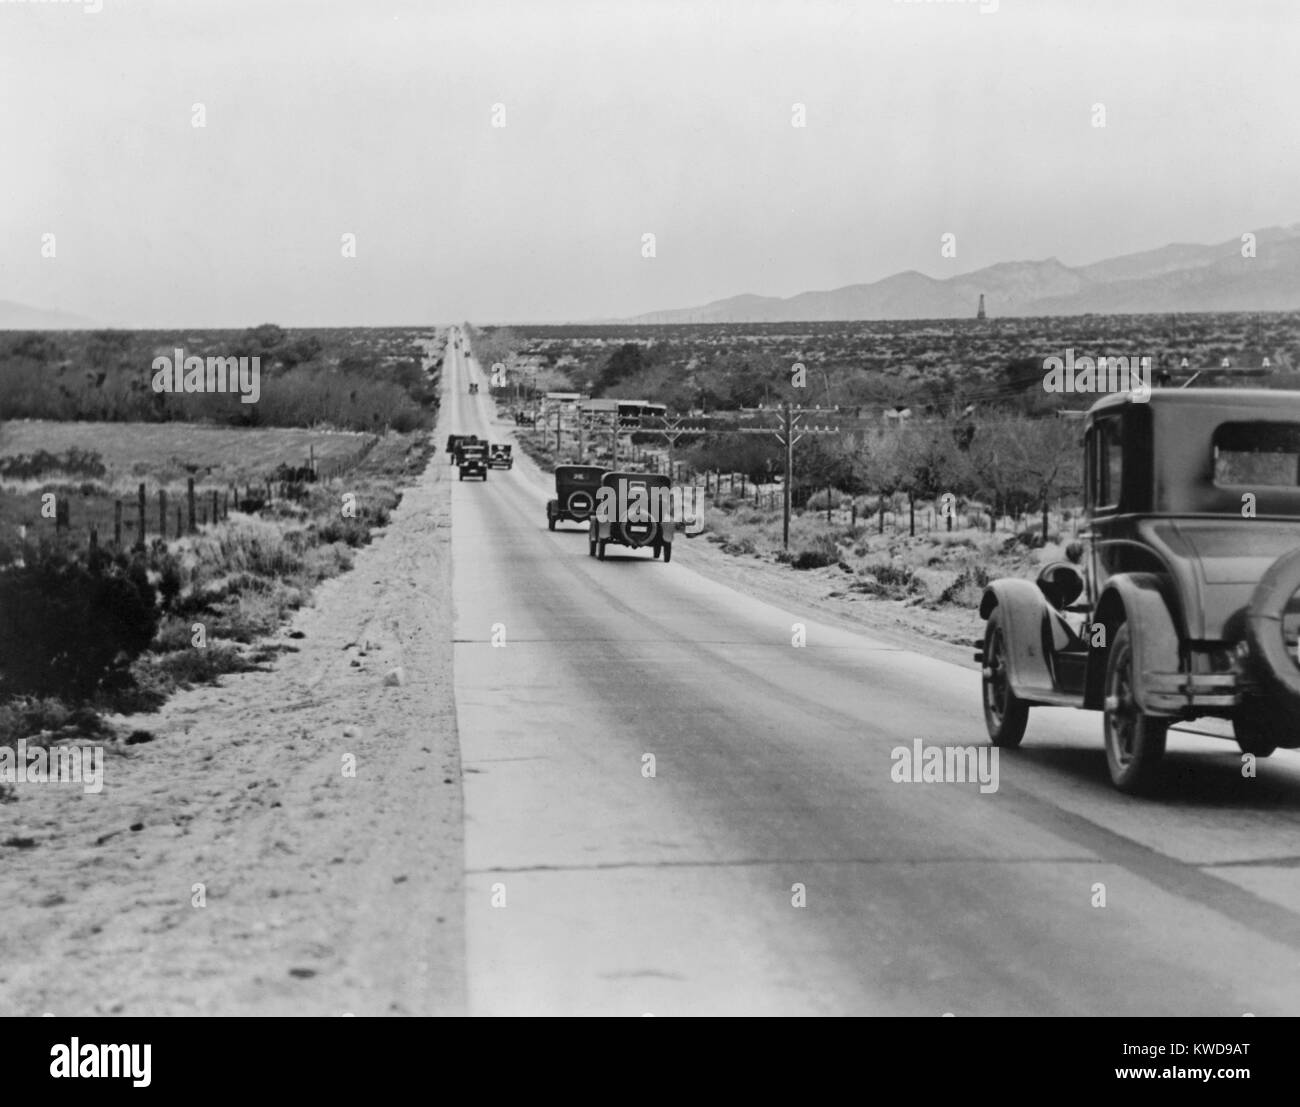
x=1258, y=454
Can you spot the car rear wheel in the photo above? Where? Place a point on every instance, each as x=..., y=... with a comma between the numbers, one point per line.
x=1005, y=714
x=668, y=551
x=600, y=551
x=1135, y=741
x=591, y=542
x=1253, y=731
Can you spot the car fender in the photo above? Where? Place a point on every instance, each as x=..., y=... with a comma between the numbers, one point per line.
x=1023, y=606
x=1141, y=600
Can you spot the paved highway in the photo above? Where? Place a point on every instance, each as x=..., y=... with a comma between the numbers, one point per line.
x=771, y=865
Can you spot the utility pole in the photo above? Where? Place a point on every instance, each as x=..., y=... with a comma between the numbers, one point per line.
x=787, y=432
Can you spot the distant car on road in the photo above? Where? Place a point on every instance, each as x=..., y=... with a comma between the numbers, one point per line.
x=1181, y=600
x=635, y=510
x=575, y=494
x=473, y=388
x=500, y=456
x=473, y=460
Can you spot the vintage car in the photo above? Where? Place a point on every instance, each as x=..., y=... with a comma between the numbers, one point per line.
x=633, y=509
x=456, y=442
x=575, y=494
x=473, y=388
x=473, y=460
x=500, y=456
x=1181, y=601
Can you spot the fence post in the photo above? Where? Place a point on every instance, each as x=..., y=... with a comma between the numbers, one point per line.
x=179, y=525
x=189, y=499
x=139, y=522
x=162, y=512
x=215, y=505
x=117, y=524
x=94, y=544
x=62, y=514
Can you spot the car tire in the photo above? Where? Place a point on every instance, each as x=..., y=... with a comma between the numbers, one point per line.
x=1252, y=730
x=600, y=551
x=460, y=475
x=1135, y=741
x=1005, y=714
x=668, y=552
x=591, y=543
x=550, y=522
x=658, y=550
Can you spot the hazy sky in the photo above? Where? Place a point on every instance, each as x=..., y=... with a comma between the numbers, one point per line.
x=374, y=118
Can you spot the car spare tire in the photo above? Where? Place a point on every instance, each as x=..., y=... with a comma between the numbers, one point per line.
x=648, y=537
x=579, y=504
x=1264, y=627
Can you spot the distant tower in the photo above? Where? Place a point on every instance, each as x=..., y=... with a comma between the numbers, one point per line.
x=980, y=314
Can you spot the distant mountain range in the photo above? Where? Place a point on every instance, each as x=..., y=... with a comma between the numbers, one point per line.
x=1173, y=278
x=21, y=317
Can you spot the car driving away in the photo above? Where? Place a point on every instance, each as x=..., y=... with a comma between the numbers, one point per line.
x=1180, y=599
x=500, y=456
x=575, y=494
x=473, y=460
x=633, y=510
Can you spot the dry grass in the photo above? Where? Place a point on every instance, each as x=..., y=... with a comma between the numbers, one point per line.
x=167, y=453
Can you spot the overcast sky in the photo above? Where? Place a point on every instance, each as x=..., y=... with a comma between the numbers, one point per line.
x=374, y=118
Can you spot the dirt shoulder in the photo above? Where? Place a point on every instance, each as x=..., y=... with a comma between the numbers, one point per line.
x=323, y=891
x=946, y=633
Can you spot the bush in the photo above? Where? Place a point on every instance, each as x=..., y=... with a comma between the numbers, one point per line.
x=821, y=553
x=888, y=580
x=968, y=589
x=70, y=620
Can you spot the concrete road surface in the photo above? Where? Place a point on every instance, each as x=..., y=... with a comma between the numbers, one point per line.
x=771, y=865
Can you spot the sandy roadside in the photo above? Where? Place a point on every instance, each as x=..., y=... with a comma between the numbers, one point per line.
x=322, y=893
x=946, y=633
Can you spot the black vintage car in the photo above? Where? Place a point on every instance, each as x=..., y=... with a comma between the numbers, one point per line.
x=473, y=460
x=500, y=456
x=575, y=494
x=454, y=443
x=1180, y=600
x=635, y=510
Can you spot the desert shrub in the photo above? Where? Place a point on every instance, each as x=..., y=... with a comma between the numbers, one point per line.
x=24, y=716
x=821, y=552
x=968, y=589
x=75, y=462
x=69, y=620
x=188, y=667
x=888, y=580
